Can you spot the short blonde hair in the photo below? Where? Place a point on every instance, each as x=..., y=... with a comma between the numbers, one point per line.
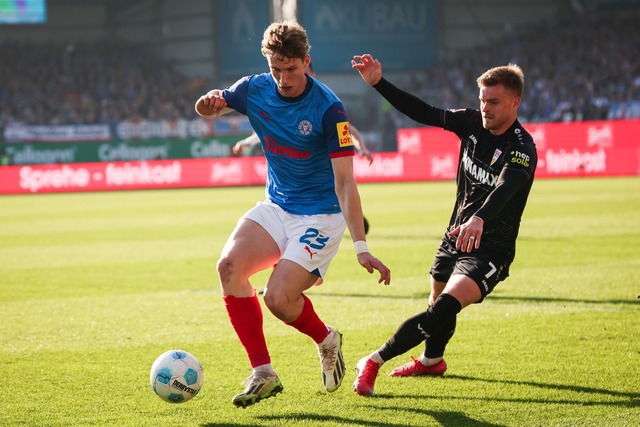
x=510, y=76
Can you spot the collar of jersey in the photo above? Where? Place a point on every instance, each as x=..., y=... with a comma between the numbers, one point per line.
x=304, y=93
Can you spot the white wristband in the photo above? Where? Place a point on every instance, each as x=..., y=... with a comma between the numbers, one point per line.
x=361, y=246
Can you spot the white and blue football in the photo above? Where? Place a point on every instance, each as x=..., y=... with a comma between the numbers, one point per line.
x=176, y=376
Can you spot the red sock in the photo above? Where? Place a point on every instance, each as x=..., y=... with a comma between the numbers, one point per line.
x=309, y=323
x=246, y=318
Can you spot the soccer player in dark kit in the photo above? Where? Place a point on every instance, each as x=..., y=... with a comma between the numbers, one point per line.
x=496, y=169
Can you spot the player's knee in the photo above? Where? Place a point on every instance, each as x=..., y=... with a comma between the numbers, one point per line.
x=445, y=307
x=277, y=303
x=227, y=268
x=222, y=266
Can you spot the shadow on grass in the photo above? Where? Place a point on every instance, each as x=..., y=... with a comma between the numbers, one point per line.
x=633, y=300
x=444, y=418
x=449, y=418
x=632, y=403
x=391, y=237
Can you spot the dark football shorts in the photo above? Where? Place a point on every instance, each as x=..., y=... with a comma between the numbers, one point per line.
x=486, y=268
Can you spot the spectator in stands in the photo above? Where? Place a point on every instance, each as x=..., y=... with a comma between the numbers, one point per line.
x=83, y=83
x=580, y=67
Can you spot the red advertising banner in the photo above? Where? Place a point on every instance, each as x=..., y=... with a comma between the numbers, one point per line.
x=598, y=148
x=179, y=173
x=107, y=176
x=606, y=148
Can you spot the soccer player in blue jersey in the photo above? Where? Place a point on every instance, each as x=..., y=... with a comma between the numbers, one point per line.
x=252, y=141
x=311, y=197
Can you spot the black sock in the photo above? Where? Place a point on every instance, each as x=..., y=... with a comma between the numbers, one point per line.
x=433, y=324
x=438, y=341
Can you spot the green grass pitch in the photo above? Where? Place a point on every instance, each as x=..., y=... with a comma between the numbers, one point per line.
x=94, y=286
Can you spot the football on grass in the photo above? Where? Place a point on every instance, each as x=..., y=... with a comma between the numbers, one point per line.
x=176, y=376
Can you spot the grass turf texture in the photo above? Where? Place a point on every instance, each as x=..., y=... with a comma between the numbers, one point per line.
x=94, y=286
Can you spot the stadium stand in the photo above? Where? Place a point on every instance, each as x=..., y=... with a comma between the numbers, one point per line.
x=81, y=83
x=581, y=67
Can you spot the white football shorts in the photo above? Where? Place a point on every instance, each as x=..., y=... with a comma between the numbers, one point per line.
x=308, y=240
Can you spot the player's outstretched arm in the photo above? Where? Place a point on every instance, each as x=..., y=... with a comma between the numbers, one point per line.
x=410, y=105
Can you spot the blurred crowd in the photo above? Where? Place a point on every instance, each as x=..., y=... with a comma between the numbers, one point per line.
x=82, y=83
x=584, y=67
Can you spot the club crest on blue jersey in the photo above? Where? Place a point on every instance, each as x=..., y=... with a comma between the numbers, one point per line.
x=305, y=127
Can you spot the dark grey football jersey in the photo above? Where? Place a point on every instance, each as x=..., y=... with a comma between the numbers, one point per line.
x=485, y=161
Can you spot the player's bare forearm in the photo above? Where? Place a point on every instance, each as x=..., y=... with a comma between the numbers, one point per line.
x=349, y=198
x=350, y=204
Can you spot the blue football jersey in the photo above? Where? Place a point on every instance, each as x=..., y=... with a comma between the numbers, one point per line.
x=299, y=137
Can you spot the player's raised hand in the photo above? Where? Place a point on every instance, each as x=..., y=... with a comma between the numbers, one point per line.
x=370, y=69
x=371, y=263
x=211, y=105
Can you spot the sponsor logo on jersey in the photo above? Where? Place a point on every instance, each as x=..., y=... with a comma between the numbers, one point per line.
x=496, y=156
x=311, y=253
x=520, y=158
x=473, y=139
x=271, y=146
x=343, y=134
x=305, y=127
x=480, y=174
